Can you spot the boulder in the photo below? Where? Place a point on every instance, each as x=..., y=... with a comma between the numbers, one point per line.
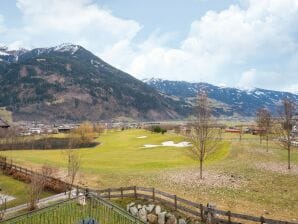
x=143, y=214
x=139, y=206
x=182, y=221
x=133, y=210
x=149, y=208
x=152, y=219
x=129, y=205
x=157, y=209
x=161, y=218
x=171, y=219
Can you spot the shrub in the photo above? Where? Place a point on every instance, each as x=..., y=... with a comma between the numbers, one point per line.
x=158, y=129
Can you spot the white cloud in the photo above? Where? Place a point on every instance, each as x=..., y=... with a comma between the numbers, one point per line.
x=50, y=22
x=222, y=46
x=254, y=44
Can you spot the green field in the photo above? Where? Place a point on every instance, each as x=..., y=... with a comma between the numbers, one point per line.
x=17, y=189
x=240, y=176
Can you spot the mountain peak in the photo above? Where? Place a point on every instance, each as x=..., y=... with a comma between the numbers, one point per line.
x=67, y=47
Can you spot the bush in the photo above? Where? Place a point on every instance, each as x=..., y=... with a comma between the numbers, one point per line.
x=158, y=129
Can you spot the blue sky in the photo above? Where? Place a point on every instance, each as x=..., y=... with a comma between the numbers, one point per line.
x=241, y=43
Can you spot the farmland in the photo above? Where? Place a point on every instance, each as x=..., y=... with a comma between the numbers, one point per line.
x=239, y=175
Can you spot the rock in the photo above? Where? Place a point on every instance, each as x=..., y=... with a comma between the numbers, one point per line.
x=181, y=221
x=161, y=218
x=149, y=208
x=157, y=209
x=134, y=211
x=129, y=205
x=171, y=219
x=152, y=218
x=143, y=214
x=82, y=200
x=139, y=206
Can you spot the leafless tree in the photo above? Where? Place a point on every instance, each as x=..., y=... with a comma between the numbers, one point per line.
x=286, y=114
x=265, y=122
x=35, y=189
x=85, y=132
x=73, y=165
x=203, y=135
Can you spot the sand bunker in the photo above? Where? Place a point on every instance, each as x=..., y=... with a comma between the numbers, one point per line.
x=142, y=136
x=6, y=198
x=169, y=143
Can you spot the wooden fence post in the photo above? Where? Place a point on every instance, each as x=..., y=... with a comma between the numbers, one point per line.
x=135, y=191
x=262, y=219
x=109, y=192
x=121, y=189
x=175, y=202
x=229, y=216
x=202, y=212
x=153, y=194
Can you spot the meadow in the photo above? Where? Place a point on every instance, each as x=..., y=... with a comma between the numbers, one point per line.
x=239, y=175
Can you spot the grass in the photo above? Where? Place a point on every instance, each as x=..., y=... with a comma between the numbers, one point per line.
x=120, y=160
x=17, y=189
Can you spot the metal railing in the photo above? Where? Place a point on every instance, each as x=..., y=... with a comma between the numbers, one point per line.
x=71, y=212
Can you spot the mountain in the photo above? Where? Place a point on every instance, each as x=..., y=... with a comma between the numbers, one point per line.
x=69, y=83
x=226, y=101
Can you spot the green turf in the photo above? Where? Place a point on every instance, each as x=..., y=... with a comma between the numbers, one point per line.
x=16, y=189
x=120, y=160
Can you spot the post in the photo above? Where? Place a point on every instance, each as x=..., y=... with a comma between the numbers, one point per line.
x=229, y=216
x=121, y=189
x=175, y=202
x=135, y=191
x=153, y=194
x=77, y=193
x=109, y=192
x=202, y=212
x=262, y=220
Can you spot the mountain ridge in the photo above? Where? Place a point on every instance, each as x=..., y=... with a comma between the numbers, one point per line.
x=38, y=83
x=243, y=102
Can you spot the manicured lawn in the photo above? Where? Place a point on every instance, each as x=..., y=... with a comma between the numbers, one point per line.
x=16, y=189
x=246, y=178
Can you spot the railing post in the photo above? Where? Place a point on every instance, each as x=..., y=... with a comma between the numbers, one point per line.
x=175, y=202
x=121, y=189
x=202, y=212
x=135, y=191
x=229, y=216
x=77, y=192
x=262, y=219
x=109, y=192
x=153, y=194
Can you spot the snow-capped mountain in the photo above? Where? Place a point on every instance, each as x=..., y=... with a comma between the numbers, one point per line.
x=228, y=101
x=69, y=83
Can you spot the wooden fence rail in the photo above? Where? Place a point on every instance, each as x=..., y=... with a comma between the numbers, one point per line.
x=206, y=213
x=185, y=206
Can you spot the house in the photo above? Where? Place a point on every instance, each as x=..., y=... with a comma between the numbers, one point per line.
x=3, y=124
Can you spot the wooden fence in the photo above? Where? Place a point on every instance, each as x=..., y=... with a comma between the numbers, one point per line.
x=206, y=213
x=24, y=174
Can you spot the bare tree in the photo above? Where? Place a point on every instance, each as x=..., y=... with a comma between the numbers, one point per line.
x=73, y=165
x=85, y=132
x=285, y=126
x=35, y=189
x=264, y=121
x=204, y=135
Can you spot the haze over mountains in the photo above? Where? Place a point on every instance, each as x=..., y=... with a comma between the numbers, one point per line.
x=69, y=83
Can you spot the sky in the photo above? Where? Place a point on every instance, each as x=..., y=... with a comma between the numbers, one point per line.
x=237, y=43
